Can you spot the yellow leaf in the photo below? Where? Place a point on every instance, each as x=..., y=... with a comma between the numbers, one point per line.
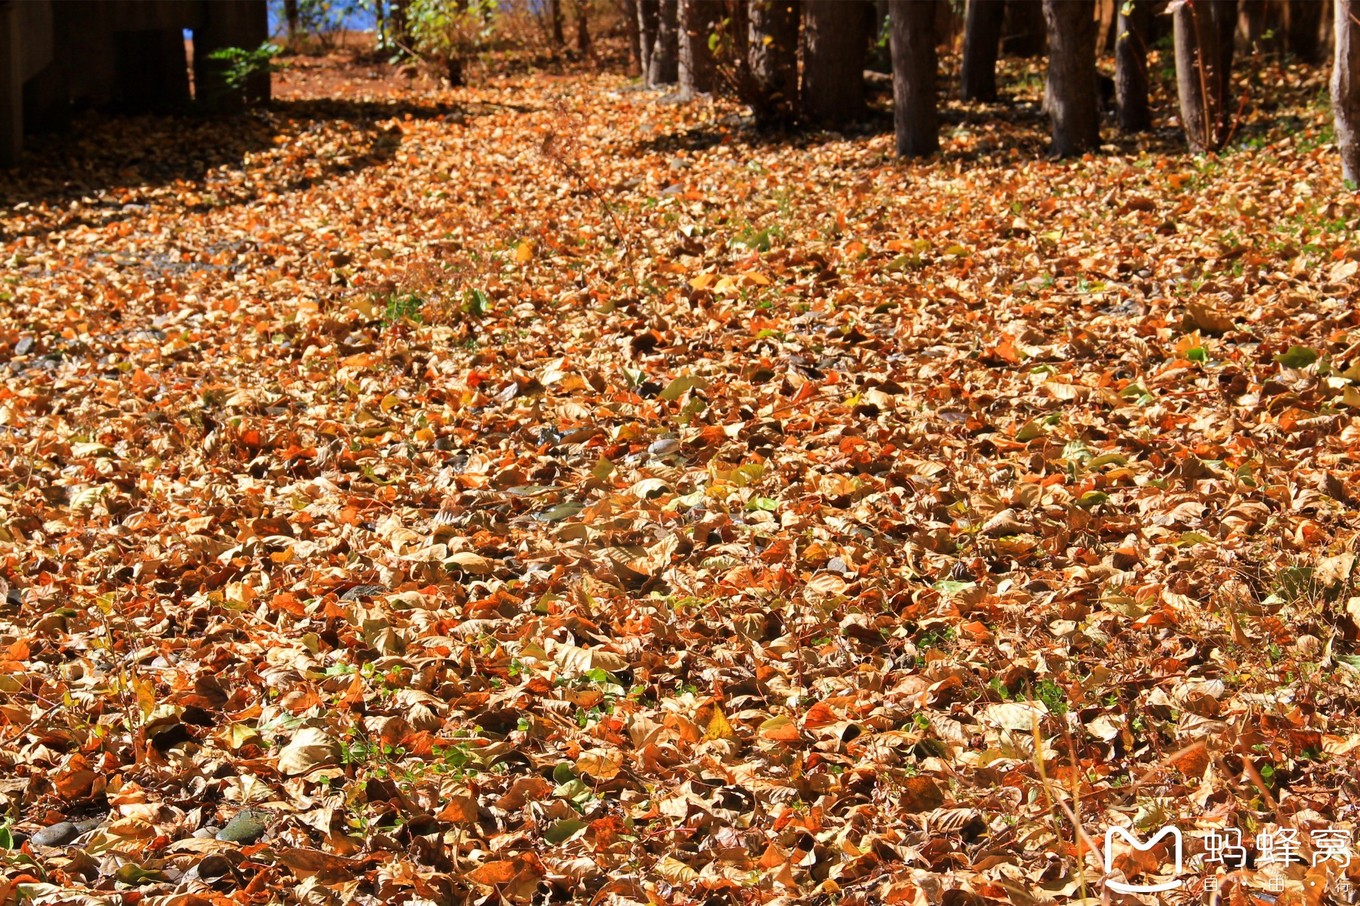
x=600, y=764
x=718, y=727
x=469, y=562
x=525, y=253
x=675, y=871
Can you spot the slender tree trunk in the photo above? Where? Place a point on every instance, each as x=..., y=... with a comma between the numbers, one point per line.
x=1203, y=30
x=291, y=16
x=1025, y=33
x=834, y=51
x=1263, y=26
x=1071, y=88
x=981, y=41
x=1130, y=66
x=1305, y=18
x=698, y=69
x=665, y=62
x=558, y=23
x=631, y=20
x=772, y=47
x=583, y=27
x=649, y=16
x=736, y=34
x=1107, y=14
x=915, y=118
x=396, y=25
x=1346, y=89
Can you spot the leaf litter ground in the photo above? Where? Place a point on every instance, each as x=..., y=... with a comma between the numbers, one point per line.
x=549, y=491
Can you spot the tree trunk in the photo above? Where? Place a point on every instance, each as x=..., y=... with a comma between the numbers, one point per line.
x=665, y=63
x=1071, y=88
x=772, y=48
x=1130, y=66
x=1346, y=89
x=698, y=70
x=648, y=17
x=1107, y=16
x=915, y=118
x=834, y=51
x=556, y=20
x=1025, y=33
x=397, y=30
x=290, y=15
x=1263, y=26
x=1305, y=17
x=1203, y=30
x=632, y=19
x=981, y=41
x=583, y=27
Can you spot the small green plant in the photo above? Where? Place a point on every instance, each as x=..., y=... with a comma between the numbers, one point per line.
x=456, y=760
x=758, y=240
x=241, y=67
x=476, y=303
x=1052, y=695
x=447, y=32
x=403, y=307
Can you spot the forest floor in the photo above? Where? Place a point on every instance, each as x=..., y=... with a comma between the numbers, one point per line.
x=546, y=490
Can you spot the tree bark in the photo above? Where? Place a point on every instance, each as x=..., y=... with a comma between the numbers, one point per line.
x=1305, y=17
x=834, y=52
x=583, y=27
x=664, y=68
x=291, y=16
x=1346, y=89
x=397, y=31
x=1263, y=26
x=648, y=17
x=1130, y=66
x=633, y=23
x=915, y=118
x=1025, y=34
x=698, y=69
x=1071, y=87
x=981, y=41
x=1203, y=33
x=772, y=49
x=558, y=23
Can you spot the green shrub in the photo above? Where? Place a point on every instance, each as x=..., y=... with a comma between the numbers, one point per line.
x=446, y=32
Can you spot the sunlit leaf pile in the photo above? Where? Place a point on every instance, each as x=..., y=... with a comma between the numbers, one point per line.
x=546, y=491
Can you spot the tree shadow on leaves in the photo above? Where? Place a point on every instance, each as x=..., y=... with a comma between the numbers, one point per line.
x=103, y=169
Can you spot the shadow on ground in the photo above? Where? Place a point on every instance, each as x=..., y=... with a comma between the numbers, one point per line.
x=103, y=169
